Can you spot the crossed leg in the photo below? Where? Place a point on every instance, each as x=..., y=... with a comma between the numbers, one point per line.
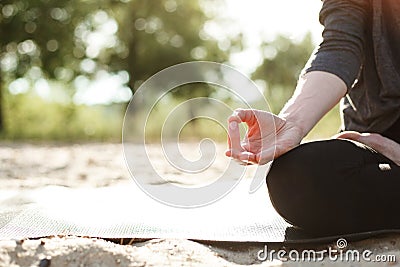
x=336, y=187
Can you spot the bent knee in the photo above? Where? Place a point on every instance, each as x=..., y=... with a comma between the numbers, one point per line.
x=301, y=180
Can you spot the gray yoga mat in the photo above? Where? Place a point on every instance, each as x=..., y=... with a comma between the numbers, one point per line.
x=126, y=212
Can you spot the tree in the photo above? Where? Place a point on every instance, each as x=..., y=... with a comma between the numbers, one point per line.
x=161, y=34
x=56, y=39
x=37, y=39
x=283, y=61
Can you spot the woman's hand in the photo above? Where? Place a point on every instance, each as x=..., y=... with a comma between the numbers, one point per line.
x=268, y=136
x=383, y=145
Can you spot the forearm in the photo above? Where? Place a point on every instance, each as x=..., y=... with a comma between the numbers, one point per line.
x=334, y=67
x=316, y=93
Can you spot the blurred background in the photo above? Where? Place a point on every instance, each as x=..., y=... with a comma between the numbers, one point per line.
x=68, y=68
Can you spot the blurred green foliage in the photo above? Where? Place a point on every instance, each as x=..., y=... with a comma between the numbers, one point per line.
x=74, y=41
x=30, y=117
x=50, y=51
x=283, y=62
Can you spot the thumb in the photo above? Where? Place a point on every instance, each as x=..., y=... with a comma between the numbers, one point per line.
x=352, y=135
x=369, y=139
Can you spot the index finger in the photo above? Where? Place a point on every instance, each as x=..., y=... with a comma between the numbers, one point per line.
x=232, y=118
x=234, y=137
x=242, y=115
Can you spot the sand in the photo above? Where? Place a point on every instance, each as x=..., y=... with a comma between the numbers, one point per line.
x=27, y=167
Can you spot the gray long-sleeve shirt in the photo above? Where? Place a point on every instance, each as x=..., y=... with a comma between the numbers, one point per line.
x=361, y=45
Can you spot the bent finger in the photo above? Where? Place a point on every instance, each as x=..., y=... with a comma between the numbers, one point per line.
x=234, y=137
x=241, y=115
x=247, y=157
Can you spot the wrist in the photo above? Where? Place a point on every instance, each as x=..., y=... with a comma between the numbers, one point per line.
x=296, y=122
x=316, y=93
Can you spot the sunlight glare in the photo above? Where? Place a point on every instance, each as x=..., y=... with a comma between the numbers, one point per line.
x=263, y=20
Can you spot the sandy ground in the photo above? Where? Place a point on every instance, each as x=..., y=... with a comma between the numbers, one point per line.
x=25, y=167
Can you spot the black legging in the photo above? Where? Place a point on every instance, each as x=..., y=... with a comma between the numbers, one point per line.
x=336, y=187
